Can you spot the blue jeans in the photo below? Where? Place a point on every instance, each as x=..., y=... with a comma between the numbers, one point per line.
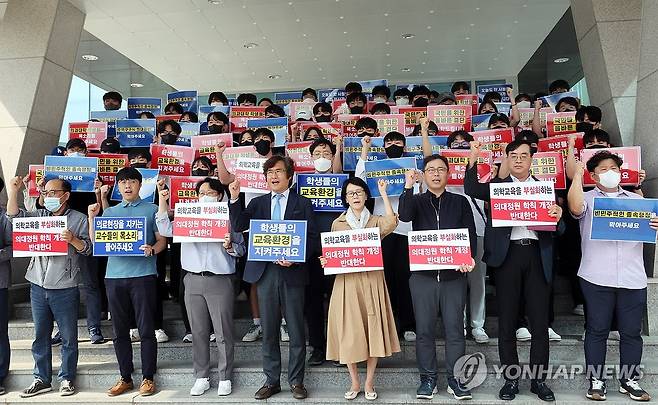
x=62, y=307
x=5, y=351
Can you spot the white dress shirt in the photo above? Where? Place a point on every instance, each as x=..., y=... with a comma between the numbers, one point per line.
x=522, y=232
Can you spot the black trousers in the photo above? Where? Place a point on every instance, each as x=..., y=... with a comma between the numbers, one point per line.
x=315, y=313
x=5, y=351
x=521, y=277
x=134, y=298
x=395, y=252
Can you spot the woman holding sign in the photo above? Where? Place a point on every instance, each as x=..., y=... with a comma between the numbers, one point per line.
x=361, y=325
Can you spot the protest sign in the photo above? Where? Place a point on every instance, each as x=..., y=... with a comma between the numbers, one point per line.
x=135, y=133
x=503, y=108
x=458, y=160
x=328, y=129
x=204, y=145
x=468, y=99
x=288, y=97
x=277, y=125
x=39, y=236
x=188, y=131
x=172, y=160
x=231, y=156
x=368, y=85
x=560, y=143
x=552, y=100
x=411, y=117
x=560, y=123
x=328, y=95
x=35, y=175
x=146, y=191
x=630, y=169
x=239, y=115
x=439, y=249
x=549, y=166
x=480, y=122
x=205, y=110
x=138, y=105
x=498, y=88
x=92, y=133
x=492, y=139
x=450, y=118
x=299, y=153
x=159, y=119
x=392, y=171
x=182, y=189
x=249, y=171
x=303, y=108
x=324, y=190
x=352, y=151
x=352, y=251
x=623, y=219
x=349, y=123
x=119, y=236
x=200, y=222
x=110, y=117
x=414, y=147
x=188, y=99
x=270, y=241
x=81, y=172
x=390, y=122
x=521, y=203
x=109, y=164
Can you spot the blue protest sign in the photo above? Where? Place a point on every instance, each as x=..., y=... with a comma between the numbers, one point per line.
x=623, y=219
x=504, y=108
x=188, y=130
x=553, y=99
x=480, y=122
x=414, y=147
x=352, y=151
x=287, y=97
x=188, y=99
x=110, y=117
x=135, y=133
x=205, y=110
x=324, y=190
x=119, y=236
x=277, y=125
x=270, y=241
x=81, y=172
x=368, y=85
x=148, y=189
x=391, y=170
x=498, y=88
x=138, y=105
x=328, y=95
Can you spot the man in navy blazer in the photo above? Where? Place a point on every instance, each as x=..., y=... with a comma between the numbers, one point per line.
x=522, y=259
x=280, y=284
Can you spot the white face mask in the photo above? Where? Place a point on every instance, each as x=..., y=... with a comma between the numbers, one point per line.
x=523, y=104
x=207, y=199
x=322, y=165
x=75, y=154
x=610, y=179
x=216, y=103
x=379, y=100
x=402, y=101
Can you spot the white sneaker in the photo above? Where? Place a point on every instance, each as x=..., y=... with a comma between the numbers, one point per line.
x=253, y=334
x=284, y=333
x=66, y=388
x=187, y=338
x=161, y=336
x=552, y=336
x=134, y=335
x=578, y=310
x=613, y=335
x=523, y=335
x=479, y=335
x=224, y=387
x=409, y=336
x=201, y=385
x=213, y=339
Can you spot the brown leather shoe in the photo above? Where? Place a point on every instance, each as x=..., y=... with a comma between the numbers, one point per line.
x=147, y=388
x=298, y=391
x=120, y=387
x=267, y=391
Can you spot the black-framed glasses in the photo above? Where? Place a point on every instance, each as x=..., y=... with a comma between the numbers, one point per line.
x=49, y=193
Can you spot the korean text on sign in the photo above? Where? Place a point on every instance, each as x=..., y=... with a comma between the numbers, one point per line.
x=39, y=236
x=200, y=222
x=270, y=241
x=522, y=203
x=324, y=190
x=439, y=249
x=119, y=236
x=352, y=251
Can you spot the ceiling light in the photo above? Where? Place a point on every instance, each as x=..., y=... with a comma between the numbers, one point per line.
x=90, y=57
x=348, y=45
x=472, y=25
x=477, y=8
x=429, y=27
x=408, y=36
x=423, y=63
x=467, y=38
x=490, y=68
x=250, y=45
x=561, y=60
x=459, y=61
x=431, y=11
x=385, y=29
x=215, y=2
x=290, y=3
x=356, y=76
x=422, y=73
x=341, y=17
x=388, y=65
x=345, y=32
x=406, y=69
x=385, y=14
x=136, y=85
x=388, y=43
x=274, y=76
x=298, y=20
x=324, y=78
x=388, y=74
x=456, y=70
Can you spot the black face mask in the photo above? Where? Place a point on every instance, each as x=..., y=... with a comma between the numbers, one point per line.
x=323, y=118
x=262, y=147
x=169, y=139
x=497, y=127
x=139, y=165
x=356, y=110
x=394, y=151
x=584, y=127
x=215, y=129
x=421, y=102
x=200, y=172
x=596, y=146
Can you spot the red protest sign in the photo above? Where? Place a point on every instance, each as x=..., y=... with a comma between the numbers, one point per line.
x=172, y=160
x=39, y=236
x=231, y=156
x=35, y=175
x=630, y=169
x=160, y=118
x=109, y=164
x=492, y=139
x=521, y=203
x=389, y=122
x=439, y=249
x=549, y=166
x=411, y=116
x=204, y=145
x=349, y=122
x=299, y=153
x=458, y=160
x=352, y=251
x=339, y=105
x=560, y=123
x=92, y=133
x=250, y=174
x=468, y=99
x=200, y=222
x=182, y=189
x=239, y=115
x=328, y=129
x=450, y=118
x=527, y=115
x=560, y=144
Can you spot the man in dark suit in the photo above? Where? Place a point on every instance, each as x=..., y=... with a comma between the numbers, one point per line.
x=522, y=259
x=281, y=284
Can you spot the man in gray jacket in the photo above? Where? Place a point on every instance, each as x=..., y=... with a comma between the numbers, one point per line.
x=5, y=272
x=54, y=293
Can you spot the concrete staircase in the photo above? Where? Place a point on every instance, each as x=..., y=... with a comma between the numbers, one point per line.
x=396, y=382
